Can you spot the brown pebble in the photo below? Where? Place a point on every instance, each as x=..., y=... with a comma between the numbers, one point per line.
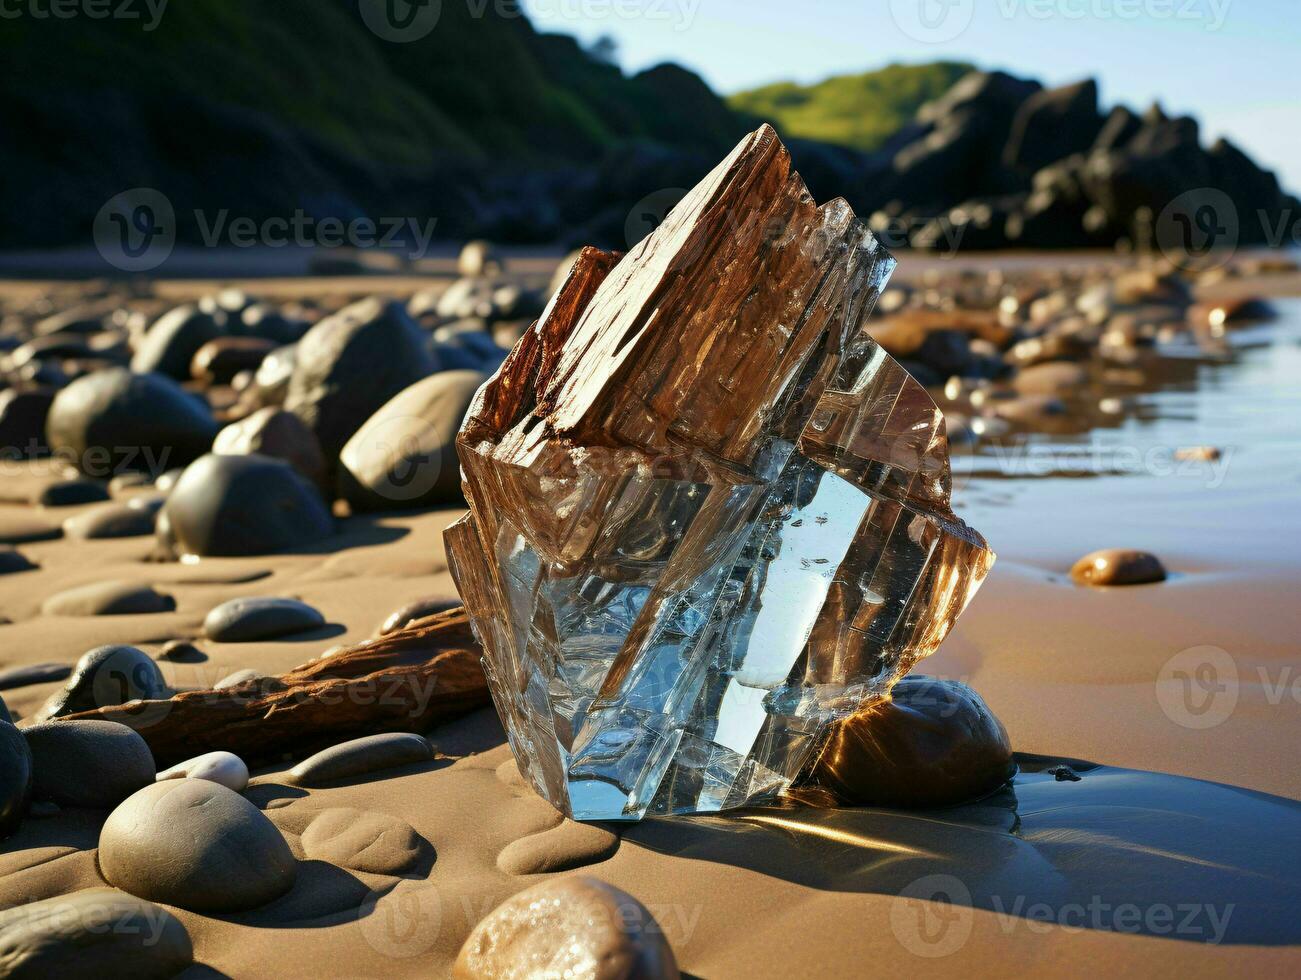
x=1051, y=378
x=1118, y=566
x=934, y=743
x=1199, y=454
x=576, y=926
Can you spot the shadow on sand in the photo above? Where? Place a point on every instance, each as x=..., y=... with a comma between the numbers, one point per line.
x=1116, y=850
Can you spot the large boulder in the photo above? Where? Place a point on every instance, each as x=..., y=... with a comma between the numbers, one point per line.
x=350, y=364
x=171, y=343
x=113, y=421
x=1053, y=124
x=405, y=454
x=243, y=505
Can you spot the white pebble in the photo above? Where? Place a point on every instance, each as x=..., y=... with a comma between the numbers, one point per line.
x=223, y=768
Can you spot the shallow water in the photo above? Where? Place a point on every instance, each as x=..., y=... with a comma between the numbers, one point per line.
x=1117, y=482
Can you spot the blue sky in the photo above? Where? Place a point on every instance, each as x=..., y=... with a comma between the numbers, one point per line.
x=1232, y=63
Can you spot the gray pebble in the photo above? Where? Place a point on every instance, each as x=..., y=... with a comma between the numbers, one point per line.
x=15, y=776
x=360, y=757
x=237, y=678
x=259, y=618
x=29, y=674
x=87, y=763
x=405, y=615
x=107, y=675
x=111, y=520
x=244, y=505
x=70, y=493
x=95, y=932
x=108, y=599
x=12, y=560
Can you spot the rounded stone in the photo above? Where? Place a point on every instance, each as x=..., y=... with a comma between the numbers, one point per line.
x=360, y=757
x=478, y=258
x=576, y=926
x=171, y=343
x=72, y=493
x=259, y=618
x=15, y=776
x=113, y=420
x=1029, y=409
x=223, y=768
x=107, y=675
x=87, y=763
x=95, y=932
x=1118, y=566
x=181, y=651
x=238, y=679
x=12, y=560
x=271, y=380
x=274, y=432
x=108, y=599
x=244, y=505
x=197, y=845
x=935, y=743
x=350, y=364
x=113, y=520
x=22, y=420
x=28, y=674
x=1051, y=378
x=405, y=454
x=404, y=616
x=363, y=840
x=219, y=360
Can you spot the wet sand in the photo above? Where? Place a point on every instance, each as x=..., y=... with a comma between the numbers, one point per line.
x=1168, y=846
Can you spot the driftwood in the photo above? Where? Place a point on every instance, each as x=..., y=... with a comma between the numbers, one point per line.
x=407, y=681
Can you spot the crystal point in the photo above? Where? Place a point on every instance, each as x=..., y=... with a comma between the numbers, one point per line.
x=709, y=516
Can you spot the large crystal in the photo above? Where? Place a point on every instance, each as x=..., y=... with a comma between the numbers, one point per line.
x=709, y=516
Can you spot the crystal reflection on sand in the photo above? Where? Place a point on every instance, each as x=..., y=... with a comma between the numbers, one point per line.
x=1115, y=850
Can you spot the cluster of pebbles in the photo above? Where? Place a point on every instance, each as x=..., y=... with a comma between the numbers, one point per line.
x=232, y=426
x=236, y=427
x=1056, y=349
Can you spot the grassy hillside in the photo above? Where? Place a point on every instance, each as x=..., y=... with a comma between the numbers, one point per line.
x=858, y=111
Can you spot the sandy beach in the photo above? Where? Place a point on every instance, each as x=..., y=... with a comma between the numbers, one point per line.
x=1149, y=831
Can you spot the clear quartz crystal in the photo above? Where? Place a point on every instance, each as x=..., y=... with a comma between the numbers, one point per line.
x=709, y=517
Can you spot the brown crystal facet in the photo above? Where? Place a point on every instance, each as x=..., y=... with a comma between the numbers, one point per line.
x=709, y=516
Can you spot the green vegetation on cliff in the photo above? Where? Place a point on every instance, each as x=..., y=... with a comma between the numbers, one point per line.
x=858, y=111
